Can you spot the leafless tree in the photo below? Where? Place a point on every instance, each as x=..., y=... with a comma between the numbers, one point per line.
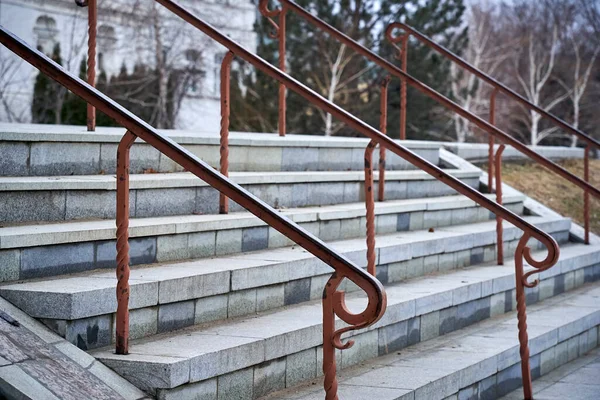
x=484, y=52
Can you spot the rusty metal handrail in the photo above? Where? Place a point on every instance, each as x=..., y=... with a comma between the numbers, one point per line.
x=523, y=252
x=489, y=80
x=333, y=301
x=332, y=341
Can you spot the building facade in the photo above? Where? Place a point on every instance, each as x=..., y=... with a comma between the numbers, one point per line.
x=129, y=33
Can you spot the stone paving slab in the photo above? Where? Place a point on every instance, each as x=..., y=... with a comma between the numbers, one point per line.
x=36, y=364
x=185, y=179
x=67, y=133
x=85, y=231
x=288, y=331
x=460, y=365
x=577, y=380
x=92, y=294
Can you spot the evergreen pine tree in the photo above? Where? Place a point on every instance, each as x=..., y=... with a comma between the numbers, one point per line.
x=46, y=94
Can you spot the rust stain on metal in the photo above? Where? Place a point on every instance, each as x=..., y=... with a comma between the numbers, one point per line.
x=225, y=114
x=122, y=220
x=370, y=206
x=383, y=129
x=586, y=195
x=499, y=228
x=491, y=141
x=278, y=34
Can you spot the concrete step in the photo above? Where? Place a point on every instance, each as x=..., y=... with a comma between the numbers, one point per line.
x=165, y=297
x=280, y=349
x=26, y=199
x=31, y=250
x=478, y=362
x=41, y=150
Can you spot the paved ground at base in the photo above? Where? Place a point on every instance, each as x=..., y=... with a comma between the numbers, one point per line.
x=577, y=380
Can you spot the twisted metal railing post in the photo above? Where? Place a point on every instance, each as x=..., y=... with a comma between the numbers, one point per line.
x=586, y=195
x=370, y=206
x=278, y=34
x=383, y=128
x=499, y=228
x=122, y=320
x=225, y=114
x=523, y=252
x=334, y=304
x=402, y=55
x=491, y=141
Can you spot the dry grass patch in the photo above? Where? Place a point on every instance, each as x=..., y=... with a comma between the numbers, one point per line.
x=554, y=191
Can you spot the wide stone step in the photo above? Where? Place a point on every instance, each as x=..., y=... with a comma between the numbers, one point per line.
x=283, y=348
x=25, y=199
x=165, y=297
x=41, y=150
x=58, y=248
x=478, y=362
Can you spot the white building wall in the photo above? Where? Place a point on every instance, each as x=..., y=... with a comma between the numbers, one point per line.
x=133, y=43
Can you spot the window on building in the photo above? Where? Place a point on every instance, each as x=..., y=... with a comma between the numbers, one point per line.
x=193, y=59
x=107, y=38
x=46, y=33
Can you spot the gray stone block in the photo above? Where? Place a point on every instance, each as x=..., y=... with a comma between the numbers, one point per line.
x=10, y=260
x=382, y=274
x=508, y=380
x=476, y=256
x=351, y=228
x=297, y=291
x=90, y=333
x=82, y=204
x=403, y=221
x=469, y=393
x=299, y=158
x=447, y=321
x=237, y=385
x=301, y=367
x=393, y=337
x=202, y=244
x=487, y=388
x=163, y=202
x=270, y=297
x=255, y=238
x=242, y=302
x=430, y=325
x=205, y=390
x=143, y=322
x=386, y=224
x=229, y=241
x=37, y=262
x=175, y=316
x=416, y=220
x=269, y=377
x=172, y=247
x=211, y=309
x=14, y=159
x=335, y=159
x=330, y=230
x=366, y=346
x=141, y=251
x=32, y=206
x=54, y=158
x=322, y=194
x=207, y=200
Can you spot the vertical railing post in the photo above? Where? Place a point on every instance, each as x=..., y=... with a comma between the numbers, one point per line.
x=403, y=86
x=499, y=228
x=586, y=195
x=225, y=114
x=491, y=142
x=282, y=87
x=522, y=318
x=278, y=34
x=122, y=219
x=383, y=128
x=91, y=59
x=370, y=206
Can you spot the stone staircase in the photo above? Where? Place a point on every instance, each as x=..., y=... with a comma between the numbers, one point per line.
x=225, y=307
